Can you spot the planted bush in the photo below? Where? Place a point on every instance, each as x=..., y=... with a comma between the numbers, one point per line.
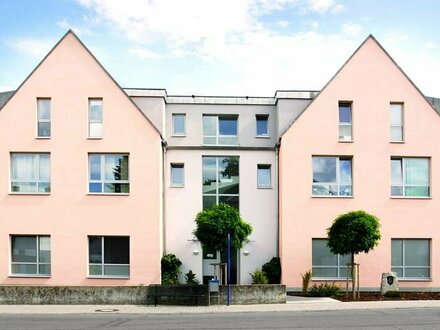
x=392, y=294
x=272, y=269
x=190, y=278
x=323, y=290
x=170, y=265
x=306, y=278
x=258, y=277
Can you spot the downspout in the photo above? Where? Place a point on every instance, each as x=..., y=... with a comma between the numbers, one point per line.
x=277, y=150
x=164, y=213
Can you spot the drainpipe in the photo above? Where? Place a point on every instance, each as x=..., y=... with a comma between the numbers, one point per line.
x=277, y=149
x=164, y=214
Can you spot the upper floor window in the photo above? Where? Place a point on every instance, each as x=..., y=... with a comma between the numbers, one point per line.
x=43, y=115
x=30, y=173
x=95, y=118
x=396, y=112
x=220, y=130
x=108, y=174
x=177, y=175
x=30, y=255
x=345, y=122
x=178, y=124
x=332, y=176
x=262, y=125
x=109, y=256
x=410, y=177
x=410, y=258
x=264, y=176
x=326, y=264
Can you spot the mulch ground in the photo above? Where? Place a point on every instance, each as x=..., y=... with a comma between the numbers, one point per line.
x=376, y=296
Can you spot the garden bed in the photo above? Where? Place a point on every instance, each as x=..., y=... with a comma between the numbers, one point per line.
x=377, y=296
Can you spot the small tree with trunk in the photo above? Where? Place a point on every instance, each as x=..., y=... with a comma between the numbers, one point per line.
x=214, y=224
x=352, y=233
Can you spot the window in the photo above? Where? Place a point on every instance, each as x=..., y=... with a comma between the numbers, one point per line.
x=263, y=176
x=410, y=258
x=30, y=173
x=396, y=111
x=43, y=114
x=95, y=118
x=345, y=122
x=177, y=175
x=332, y=176
x=220, y=130
x=179, y=124
x=220, y=181
x=109, y=256
x=325, y=264
x=108, y=174
x=410, y=177
x=262, y=125
x=30, y=255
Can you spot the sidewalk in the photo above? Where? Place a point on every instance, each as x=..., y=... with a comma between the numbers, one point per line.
x=299, y=304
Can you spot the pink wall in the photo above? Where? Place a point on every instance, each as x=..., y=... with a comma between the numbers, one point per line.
x=371, y=81
x=69, y=76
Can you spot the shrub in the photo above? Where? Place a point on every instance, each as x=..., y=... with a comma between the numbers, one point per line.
x=392, y=294
x=324, y=290
x=190, y=278
x=306, y=278
x=170, y=269
x=272, y=269
x=258, y=277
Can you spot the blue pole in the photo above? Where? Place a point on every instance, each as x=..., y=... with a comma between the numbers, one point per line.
x=229, y=271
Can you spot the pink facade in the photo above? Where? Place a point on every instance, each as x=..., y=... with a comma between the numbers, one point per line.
x=369, y=82
x=72, y=211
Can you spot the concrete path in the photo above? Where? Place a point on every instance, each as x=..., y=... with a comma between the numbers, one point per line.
x=294, y=304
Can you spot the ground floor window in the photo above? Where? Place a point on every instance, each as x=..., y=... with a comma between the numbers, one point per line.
x=109, y=256
x=325, y=264
x=410, y=258
x=30, y=255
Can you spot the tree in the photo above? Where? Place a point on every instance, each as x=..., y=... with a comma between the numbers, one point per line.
x=352, y=233
x=214, y=224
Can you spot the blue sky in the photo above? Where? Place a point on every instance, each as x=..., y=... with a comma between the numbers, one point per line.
x=227, y=47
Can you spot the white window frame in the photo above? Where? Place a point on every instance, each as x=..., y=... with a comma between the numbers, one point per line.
x=338, y=182
x=174, y=116
x=404, y=185
x=40, y=120
x=341, y=124
x=339, y=266
x=95, y=121
x=37, y=263
x=404, y=267
x=264, y=167
x=103, y=264
x=37, y=171
x=266, y=118
x=217, y=136
x=397, y=126
x=172, y=167
x=103, y=181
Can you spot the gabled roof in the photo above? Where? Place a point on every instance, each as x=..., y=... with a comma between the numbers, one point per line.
x=9, y=95
x=370, y=37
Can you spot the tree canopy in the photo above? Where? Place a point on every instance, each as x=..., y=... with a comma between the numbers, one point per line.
x=353, y=232
x=214, y=224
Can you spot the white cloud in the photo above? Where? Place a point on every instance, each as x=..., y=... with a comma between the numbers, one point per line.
x=36, y=48
x=430, y=45
x=314, y=25
x=144, y=53
x=351, y=29
x=64, y=24
x=283, y=24
x=322, y=6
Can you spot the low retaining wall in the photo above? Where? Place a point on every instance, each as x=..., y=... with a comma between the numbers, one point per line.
x=140, y=295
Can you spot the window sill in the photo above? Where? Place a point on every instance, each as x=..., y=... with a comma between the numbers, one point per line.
x=28, y=194
x=331, y=196
x=331, y=279
x=397, y=142
x=42, y=137
x=108, y=277
x=262, y=136
x=411, y=197
x=178, y=135
x=414, y=279
x=108, y=194
x=263, y=187
x=94, y=138
x=28, y=276
x=345, y=141
x=177, y=186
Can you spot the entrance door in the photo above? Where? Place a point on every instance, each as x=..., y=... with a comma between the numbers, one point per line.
x=209, y=258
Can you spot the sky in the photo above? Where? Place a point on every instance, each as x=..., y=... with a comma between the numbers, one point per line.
x=223, y=47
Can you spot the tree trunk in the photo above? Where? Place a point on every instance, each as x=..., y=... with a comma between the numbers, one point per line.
x=353, y=276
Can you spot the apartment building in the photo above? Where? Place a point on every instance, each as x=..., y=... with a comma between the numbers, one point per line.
x=101, y=181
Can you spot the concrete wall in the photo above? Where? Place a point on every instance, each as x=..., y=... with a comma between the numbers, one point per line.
x=370, y=80
x=257, y=206
x=254, y=294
